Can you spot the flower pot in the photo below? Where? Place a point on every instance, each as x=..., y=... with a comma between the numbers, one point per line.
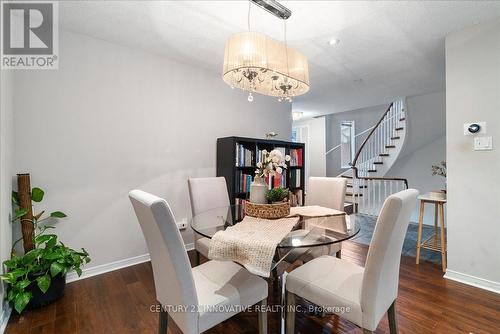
x=258, y=190
x=55, y=292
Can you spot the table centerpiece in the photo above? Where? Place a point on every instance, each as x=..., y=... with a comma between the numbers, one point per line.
x=266, y=201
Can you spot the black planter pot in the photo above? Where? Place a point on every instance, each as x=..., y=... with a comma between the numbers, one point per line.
x=55, y=292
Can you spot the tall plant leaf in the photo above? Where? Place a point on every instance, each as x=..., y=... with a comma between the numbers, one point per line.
x=18, y=213
x=37, y=194
x=15, y=198
x=44, y=238
x=43, y=282
x=21, y=300
x=21, y=285
x=55, y=268
x=58, y=214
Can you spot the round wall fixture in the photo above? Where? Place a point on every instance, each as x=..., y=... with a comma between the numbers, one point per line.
x=474, y=128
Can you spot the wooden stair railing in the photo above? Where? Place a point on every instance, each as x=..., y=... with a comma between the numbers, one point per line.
x=358, y=153
x=368, y=190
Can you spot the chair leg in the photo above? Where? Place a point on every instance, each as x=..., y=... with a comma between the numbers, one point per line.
x=274, y=273
x=339, y=254
x=391, y=314
x=197, y=258
x=162, y=326
x=290, y=313
x=263, y=316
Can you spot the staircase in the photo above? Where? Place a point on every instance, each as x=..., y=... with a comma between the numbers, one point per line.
x=367, y=185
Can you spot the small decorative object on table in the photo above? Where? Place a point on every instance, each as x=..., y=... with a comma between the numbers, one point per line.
x=258, y=190
x=273, y=164
x=267, y=211
x=441, y=171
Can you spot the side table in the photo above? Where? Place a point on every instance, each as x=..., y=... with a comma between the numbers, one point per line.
x=437, y=241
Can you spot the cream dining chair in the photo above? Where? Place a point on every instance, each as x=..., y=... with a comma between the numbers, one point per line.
x=327, y=192
x=369, y=292
x=206, y=193
x=195, y=298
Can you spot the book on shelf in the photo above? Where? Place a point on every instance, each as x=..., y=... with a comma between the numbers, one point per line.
x=244, y=156
x=279, y=181
x=240, y=208
x=282, y=150
x=296, y=157
x=295, y=197
x=243, y=182
x=295, y=178
x=259, y=156
x=276, y=181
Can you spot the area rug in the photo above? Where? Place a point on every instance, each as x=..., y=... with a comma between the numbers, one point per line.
x=410, y=244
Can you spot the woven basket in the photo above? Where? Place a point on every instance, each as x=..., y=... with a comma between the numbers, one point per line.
x=267, y=211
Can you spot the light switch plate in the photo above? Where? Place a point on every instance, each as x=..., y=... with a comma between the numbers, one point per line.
x=483, y=143
x=482, y=130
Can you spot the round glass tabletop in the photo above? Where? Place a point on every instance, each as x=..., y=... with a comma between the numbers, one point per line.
x=309, y=232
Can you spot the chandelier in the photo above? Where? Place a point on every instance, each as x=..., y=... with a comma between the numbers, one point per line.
x=260, y=64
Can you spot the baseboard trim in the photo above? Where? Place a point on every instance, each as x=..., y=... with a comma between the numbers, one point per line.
x=4, y=319
x=107, y=267
x=473, y=281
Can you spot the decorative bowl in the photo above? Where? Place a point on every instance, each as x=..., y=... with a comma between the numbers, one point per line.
x=268, y=211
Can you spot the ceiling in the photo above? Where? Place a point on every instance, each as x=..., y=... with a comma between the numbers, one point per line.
x=387, y=48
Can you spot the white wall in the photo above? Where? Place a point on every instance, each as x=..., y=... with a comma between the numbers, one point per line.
x=425, y=145
x=416, y=167
x=315, y=146
x=363, y=119
x=473, y=94
x=6, y=160
x=112, y=119
x=426, y=120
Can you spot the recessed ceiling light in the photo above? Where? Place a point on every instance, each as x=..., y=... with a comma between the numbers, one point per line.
x=334, y=41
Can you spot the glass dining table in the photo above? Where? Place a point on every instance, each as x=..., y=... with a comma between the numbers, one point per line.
x=309, y=232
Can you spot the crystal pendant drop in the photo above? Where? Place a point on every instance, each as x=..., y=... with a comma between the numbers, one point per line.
x=250, y=97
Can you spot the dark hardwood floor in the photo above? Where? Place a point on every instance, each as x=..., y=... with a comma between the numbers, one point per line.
x=120, y=302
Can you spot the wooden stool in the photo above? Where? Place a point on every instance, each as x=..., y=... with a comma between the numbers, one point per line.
x=436, y=241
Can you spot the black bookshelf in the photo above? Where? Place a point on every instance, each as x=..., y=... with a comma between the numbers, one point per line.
x=227, y=164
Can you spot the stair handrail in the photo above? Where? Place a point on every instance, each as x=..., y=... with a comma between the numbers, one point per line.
x=355, y=169
x=358, y=153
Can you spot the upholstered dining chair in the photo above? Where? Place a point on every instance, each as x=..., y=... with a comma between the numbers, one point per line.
x=201, y=297
x=206, y=193
x=336, y=284
x=327, y=192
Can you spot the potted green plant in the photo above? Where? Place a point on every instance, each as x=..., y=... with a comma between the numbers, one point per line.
x=277, y=195
x=38, y=277
x=440, y=170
